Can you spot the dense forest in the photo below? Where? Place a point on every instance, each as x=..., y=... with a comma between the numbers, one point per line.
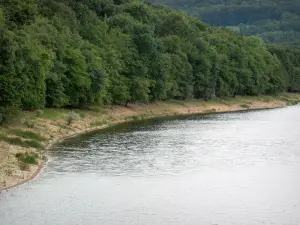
x=74, y=53
x=275, y=21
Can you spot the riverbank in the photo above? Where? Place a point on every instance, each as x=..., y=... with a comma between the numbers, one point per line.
x=35, y=132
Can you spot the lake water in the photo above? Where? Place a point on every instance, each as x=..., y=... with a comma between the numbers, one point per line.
x=225, y=169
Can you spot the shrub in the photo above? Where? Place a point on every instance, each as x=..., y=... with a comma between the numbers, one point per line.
x=82, y=114
x=245, y=106
x=39, y=113
x=71, y=116
x=144, y=116
x=135, y=117
x=293, y=102
x=7, y=113
x=30, y=123
x=28, y=157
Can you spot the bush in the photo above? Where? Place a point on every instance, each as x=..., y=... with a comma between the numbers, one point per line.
x=71, y=116
x=245, y=106
x=28, y=158
x=7, y=113
x=39, y=113
x=144, y=116
x=30, y=123
x=82, y=114
x=292, y=102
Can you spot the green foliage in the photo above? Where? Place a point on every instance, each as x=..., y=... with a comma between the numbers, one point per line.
x=20, y=12
x=51, y=114
x=290, y=60
x=20, y=142
x=77, y=54
x=30, y=123
x=245, y=106
x=99, y=123
x=27, y=135
x=275, y=21
x=28, y=157
x=134, y=117
x=6, y=113
x=39, y=113
x=71, y=116
x=144, y=116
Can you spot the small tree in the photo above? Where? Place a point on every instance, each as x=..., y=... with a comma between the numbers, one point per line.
x=71, y=117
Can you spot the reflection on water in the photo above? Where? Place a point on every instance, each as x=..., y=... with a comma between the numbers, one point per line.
x=234, y=168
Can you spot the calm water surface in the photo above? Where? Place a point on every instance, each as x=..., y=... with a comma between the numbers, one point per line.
x=235, y=168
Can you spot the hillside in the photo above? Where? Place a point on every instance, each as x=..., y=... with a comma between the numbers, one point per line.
x=79, y=53
x=276, y=21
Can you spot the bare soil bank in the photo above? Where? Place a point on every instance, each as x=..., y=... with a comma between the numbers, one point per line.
x=37, y=131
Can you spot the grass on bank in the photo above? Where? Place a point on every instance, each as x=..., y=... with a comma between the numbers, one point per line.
x=133, y=117
x=51, y=114
x=21, y=138
x=71, y=117
x=28, y=157
x=27, y=135
x=99, y=123
x=245, y=106
x=24, y=143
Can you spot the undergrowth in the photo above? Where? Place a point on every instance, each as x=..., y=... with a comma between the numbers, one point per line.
x=20, y=142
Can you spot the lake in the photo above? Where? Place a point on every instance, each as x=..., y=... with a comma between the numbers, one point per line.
x=231, y=168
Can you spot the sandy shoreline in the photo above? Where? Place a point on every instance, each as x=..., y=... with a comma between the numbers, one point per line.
x=56, y=130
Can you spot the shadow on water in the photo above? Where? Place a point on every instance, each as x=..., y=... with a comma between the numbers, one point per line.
x=155, y=123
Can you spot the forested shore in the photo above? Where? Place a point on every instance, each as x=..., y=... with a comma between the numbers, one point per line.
x=74, y=54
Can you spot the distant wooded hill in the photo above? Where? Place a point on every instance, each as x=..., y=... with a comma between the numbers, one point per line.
x=275, y=21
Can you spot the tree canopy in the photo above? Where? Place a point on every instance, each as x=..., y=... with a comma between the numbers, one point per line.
x=275, y=21
x=66, y=53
